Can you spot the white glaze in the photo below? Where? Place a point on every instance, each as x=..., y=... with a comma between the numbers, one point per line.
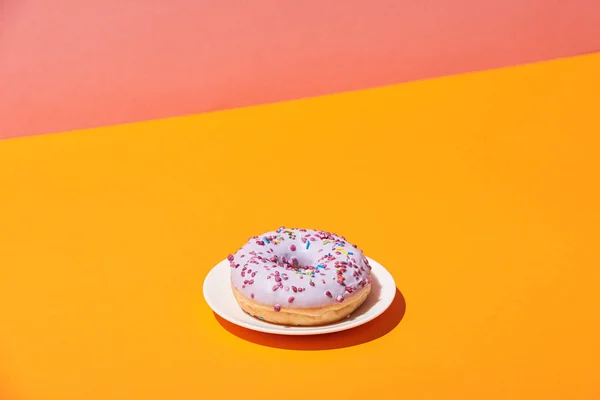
x=254, y=274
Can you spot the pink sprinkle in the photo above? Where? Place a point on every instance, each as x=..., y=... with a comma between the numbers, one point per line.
x=269, y=277
x=277, y=279
x=292, y=247
x=253, y=274
x=230, y=257
x=273, y=259
x=328, y=294
x=303, y=240
x=251, y=295
x=340, y=298
x=275, y=287
x=311, y=283
x=295, y=289
x=260, y=243
x=287, y=288
x=291, y=299
x=277, y=307
x=251, y=281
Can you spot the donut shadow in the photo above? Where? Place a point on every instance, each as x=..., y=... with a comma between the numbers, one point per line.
x=365, y=333
x=5, y=393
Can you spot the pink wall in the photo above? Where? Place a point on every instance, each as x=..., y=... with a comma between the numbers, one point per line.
x=70, y=64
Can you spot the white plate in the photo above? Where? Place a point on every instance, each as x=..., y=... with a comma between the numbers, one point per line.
x=218, y=295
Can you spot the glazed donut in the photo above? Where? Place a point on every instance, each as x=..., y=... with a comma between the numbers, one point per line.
x=299, y=277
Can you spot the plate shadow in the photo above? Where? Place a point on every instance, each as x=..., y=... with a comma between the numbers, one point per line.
x=365, y=333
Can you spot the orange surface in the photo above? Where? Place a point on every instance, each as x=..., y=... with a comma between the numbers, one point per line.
x=73, y=64
x=478, y=192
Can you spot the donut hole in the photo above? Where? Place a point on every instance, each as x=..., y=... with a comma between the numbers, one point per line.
x=298, y=259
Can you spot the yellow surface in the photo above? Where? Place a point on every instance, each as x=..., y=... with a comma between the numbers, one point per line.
x=479, y=193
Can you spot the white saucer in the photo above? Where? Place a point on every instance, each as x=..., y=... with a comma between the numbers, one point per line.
x=218, y=295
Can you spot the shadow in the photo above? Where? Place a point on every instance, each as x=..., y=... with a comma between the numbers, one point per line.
x=368, y=332
x=5, y=393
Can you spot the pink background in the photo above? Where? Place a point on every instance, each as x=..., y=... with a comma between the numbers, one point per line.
x=69, y=64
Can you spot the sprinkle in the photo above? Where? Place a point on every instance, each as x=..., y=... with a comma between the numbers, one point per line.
x=266, y=240
x=295, y=289
x=277, y=307
x=260, y=243
x=291, y=299
x=230, y=257
x=292, y=247
x=251, y=295
x=307, y=244
x=328, y=294
x=275, y=287
x=311, y=283
x=340, y=298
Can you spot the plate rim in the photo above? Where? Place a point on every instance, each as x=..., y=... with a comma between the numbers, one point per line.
x=278, y=330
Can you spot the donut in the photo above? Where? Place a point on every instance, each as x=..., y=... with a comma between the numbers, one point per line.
x=299, y=277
